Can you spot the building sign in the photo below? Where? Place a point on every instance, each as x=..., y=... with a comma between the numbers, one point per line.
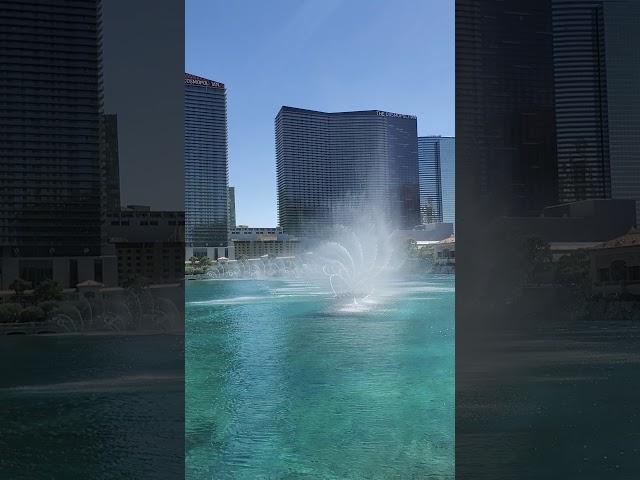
x=189, y=80
x=396, y=115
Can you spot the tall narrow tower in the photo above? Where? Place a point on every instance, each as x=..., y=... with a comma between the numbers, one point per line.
x=206, y=163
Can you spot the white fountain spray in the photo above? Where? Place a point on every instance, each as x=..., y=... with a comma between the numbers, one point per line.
x=357, y=261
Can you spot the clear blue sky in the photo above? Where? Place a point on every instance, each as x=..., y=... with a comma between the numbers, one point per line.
x=329, y=55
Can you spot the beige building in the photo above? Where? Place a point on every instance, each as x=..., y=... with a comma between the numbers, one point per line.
x=441, y=252
x=265, y=246
x=615, y=265
x=444, y=251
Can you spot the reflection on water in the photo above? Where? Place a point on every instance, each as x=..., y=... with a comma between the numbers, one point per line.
x=287, y=383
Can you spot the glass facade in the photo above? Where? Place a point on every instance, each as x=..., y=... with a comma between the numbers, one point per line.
x=206, y=163
x=111, y=162
x=50, y=178
x=334, y=168
x=596, y=73
x=580, y=82
x=504, y=86
x=448, y=175
x=436, y=156
x=232, y=208
x=623, y=77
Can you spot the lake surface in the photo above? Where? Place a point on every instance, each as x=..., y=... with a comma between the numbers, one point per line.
x=282, y=381
x=92, y=406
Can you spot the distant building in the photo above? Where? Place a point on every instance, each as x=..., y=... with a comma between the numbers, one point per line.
x=430, y=181
x=428, y=232
x=149, y=244
x=206, y=164
x=138, y=223
x=585, y=221
x=615, y=265
x=255, y=242
x=444, y=252
x=244, y=232
x=333, y=168
x=597, y=104
x=436, y=157
x=232, y=207
x=214, y=253
x=441, y=252
x=271, y=247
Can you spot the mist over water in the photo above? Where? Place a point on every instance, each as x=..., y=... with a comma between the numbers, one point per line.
x=352, y=263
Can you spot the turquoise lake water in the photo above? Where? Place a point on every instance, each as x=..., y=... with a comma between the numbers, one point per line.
x=282, y=381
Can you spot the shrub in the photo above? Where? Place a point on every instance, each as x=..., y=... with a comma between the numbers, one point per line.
x=48, y=306
x=32, y=314
x=19, y=286
x=48, y=290
x=9, y=312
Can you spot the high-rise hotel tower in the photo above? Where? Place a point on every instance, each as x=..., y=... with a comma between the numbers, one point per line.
x=50, y=172
x=333, y=168
x=206, y=164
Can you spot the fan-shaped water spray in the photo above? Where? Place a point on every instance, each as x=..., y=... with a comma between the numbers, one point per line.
x=357, y=261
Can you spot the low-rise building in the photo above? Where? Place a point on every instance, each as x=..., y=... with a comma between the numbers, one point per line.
x=244, y=232
x=429, y=232
x=272, y=247
x=141, y=224
x=149, y=244
x=254, y=242
x=444, y=252
x=214, y=253
x=615, y=265
x=440, y=252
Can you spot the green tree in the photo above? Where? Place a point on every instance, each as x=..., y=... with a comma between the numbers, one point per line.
x=136, y=282
x=32, y=314
x=412, y=248
x=9, y=312
x=49, y=290
x=536, y=257
x=574, y=270
x=204, y=262
x=19, y=286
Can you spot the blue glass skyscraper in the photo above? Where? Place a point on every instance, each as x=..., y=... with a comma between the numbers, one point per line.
x=206, y=163
x=436, y=157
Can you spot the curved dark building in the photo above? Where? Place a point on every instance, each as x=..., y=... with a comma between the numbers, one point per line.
x=334, y=168
x=206, y=163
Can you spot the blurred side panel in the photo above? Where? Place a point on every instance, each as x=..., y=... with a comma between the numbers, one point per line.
x=91, y=239
x=548, y=255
